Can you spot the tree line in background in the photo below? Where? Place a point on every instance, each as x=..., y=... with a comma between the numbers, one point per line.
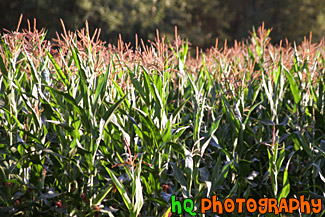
x=200, y=21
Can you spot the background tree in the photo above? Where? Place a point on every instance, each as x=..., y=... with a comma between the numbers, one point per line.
x=199, y=21
x=292, y=19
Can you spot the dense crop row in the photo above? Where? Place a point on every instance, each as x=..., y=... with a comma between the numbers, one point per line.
x=90, y=129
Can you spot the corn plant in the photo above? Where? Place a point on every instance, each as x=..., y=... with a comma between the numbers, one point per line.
x=88, y=129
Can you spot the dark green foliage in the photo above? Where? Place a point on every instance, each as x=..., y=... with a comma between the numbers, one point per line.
x=199, y=21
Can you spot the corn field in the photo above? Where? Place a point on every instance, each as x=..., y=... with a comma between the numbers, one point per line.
x=90, y=129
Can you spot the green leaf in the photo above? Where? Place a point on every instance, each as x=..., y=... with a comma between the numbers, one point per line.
x=168, y=212
x=59, y=70
x=121, y=189
x=72, y=101
x=180, y=178
x=250, y=111
x=102, y=85
x=286, y=184
x=112, y=109
x=138, y=192
x=101, y=196
x=293, y=86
